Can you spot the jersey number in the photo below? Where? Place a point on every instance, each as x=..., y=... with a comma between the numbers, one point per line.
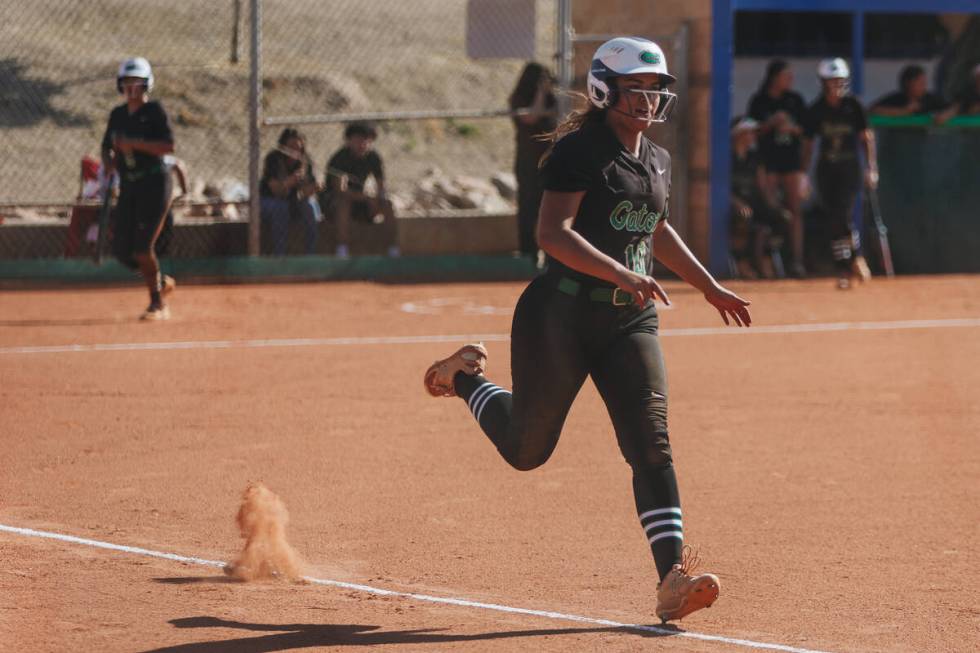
x=636, y=257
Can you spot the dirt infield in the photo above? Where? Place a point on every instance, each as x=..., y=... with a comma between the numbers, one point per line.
x=829, y=463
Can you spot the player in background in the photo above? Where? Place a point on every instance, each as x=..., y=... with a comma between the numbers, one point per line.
x=839, y=121
x=136, y=139
x=604, y=209
x=780, y=113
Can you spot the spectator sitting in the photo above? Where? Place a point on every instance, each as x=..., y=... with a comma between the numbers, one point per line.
x=288, y=188
x=968, y=102
x=912, y=98
x=533, y=93
x=347, y=172
x=755, y=215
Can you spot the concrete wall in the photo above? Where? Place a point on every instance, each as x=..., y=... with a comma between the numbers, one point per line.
x=653, y=19
x=493, y=234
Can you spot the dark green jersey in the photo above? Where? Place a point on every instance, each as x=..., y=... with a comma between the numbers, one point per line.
x=839, y=129
x=148, y=123
x=625, y=196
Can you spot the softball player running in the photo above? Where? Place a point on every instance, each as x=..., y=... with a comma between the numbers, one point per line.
x=136, y=139
x=606, y=196
x=840, y=122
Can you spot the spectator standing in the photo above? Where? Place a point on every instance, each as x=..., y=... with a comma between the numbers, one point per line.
x=912, y=97
x=288, y=189
x=839, y=121
x=533, y=93
x=780, y=112
x=348, y=170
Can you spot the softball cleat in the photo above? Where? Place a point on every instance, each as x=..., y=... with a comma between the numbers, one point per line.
x=860, y=270
x=681, y=592
x=167, y=285
x=155, y=313
x=469, y=359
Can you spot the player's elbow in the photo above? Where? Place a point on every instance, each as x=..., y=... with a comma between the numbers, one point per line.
x=548, y=236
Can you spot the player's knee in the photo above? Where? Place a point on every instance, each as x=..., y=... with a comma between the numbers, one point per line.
x=526, y=460
x=655, y=450
x=651, y=442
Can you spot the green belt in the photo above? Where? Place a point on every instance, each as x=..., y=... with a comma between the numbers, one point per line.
x=602, y=294
x=136, y=176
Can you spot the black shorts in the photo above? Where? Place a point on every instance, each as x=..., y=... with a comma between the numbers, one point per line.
x=140, y=216
x=782, y=160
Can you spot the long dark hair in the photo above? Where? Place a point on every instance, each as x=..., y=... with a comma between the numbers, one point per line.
x=527, y=85
x=572, y=122
x=775, y=67
x=290, y=133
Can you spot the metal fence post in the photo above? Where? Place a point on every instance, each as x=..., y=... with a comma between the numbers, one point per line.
x=564, y=64
x=236, y=30
x=254, y=101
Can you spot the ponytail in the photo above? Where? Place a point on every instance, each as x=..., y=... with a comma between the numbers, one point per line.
x=572, y=123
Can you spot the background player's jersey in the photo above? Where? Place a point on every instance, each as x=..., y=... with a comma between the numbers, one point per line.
x=838, y=128
x=780, y=150
x=625, y=196
x=148, y=123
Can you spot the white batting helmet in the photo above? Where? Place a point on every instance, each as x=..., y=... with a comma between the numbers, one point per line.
x=833, y=69
x=628, y=55
x=135, y=67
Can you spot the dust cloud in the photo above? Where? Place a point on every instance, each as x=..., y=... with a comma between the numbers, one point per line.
x=262, y=520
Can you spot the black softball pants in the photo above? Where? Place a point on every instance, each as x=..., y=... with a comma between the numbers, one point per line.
x=557, y=340
x=839, y=185
x=140, y=217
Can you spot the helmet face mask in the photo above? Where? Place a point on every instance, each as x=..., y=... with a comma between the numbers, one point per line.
x=650, y=105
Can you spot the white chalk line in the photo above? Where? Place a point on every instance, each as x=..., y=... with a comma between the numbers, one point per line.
x=466, y=603
x=484, y=337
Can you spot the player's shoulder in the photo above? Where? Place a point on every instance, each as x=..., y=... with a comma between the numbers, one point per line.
x=795, y=98
x=579, y=143
x=155, y=107
x=340, y=154
x=756, y=99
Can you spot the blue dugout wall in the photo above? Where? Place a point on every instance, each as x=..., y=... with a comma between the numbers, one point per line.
x=723, y=39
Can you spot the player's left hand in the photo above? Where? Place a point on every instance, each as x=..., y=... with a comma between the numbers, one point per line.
x=729, y=305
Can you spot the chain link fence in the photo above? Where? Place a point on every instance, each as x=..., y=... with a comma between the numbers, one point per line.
x=322, y=63
x=433, y=75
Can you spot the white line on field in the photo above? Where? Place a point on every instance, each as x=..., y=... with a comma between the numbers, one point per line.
x=30, y=532
x=484, y=337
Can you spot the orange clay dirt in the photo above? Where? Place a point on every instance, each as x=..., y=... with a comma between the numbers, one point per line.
x=830, y=476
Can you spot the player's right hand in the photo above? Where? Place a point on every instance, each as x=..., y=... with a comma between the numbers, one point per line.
x=642, y=287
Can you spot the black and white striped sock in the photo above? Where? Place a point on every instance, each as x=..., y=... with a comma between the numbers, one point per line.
x=485, y=398
x=665, y=532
